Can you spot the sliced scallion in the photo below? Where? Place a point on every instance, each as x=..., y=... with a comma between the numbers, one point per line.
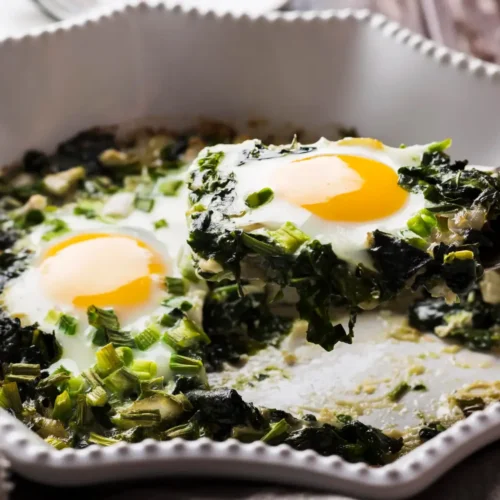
x=277, y=431
x=58, y=228
x=22, y=372
x=144, y=369
x=97, y=397
x=55, y=378
x=67, y=324
x=107, y=360
x=259, y=198
x=57, y=443
x=175, y=286
x=185, y=365
x=147, y=338
x=125, y=354
x=10, y=397
x=101, y=440
x=185, y=334
x=170, y=187
x=161, y=223
x=144, y=203
x=119, y=338
x=62, y=406
x=289, y=237
x=121, y=382
x=398, y=392
x=102, y=318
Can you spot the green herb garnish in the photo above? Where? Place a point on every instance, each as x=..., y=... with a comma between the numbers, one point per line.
x=59, y=227
x=161, y=223
x=170, y=188
x=259, y=198
x=399, y=391
x=144, y=204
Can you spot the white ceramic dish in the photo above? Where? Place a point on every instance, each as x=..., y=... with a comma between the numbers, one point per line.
x=315, y=70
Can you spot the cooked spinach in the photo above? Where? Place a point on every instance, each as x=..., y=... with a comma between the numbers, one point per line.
x=114, y=402
x=238, y=325
x=27, y=344
x=449, y=184
x=289, y=258
x=430, y=430
x=472, y=322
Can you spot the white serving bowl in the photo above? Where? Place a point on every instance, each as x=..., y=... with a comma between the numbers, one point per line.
x=313, y=71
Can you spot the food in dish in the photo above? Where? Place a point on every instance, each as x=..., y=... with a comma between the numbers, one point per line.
x=375, y=221
x=124, y=286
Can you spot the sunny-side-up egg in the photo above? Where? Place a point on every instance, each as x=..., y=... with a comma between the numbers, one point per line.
x=337, y=192
x=117, y=263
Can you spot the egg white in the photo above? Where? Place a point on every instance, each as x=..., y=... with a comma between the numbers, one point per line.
x=348, y=239
x=24, y=297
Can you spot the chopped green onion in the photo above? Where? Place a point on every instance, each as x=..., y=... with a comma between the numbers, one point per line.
x=422, y=223
x=22, y=372
x=147, y=338
x=259, y=198
x=102, y=318
x=107, y=328
x=211, y=160
x=185, y=334
x=86, y=209
x=121, y=381
x=46, y=427
x=62, y=406
x=458, y=255
x=101, y=440
x=246, y=434
x=30, y=219
x=169, y=407
x=52, y=316
x=144, y=418
x=259, y=246
x=439, y=146
x=67, y=324
x=143, y=203
x=93, y=378
x=59, y=227
x=125, y=354
x=120, y=338
x=57, y=377
x=57, y=443
x=178, y=303
x=175, y=286
x=190, y=430
x=75, y=385
x=144, y=366
x=185, y=365
x=149, y=386
x=97, y=397
x=99, y=337
x=168, y=320
x=61, y=183
x=83, y=413
x=398, y=392
x=277, y=431
x=10, y=397
x=289, y=237
x=161, y=223
x=107, y=360
x=170, y=188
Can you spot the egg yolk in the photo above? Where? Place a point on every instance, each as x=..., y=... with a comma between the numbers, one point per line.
x=101, y=269
x=340, y=188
